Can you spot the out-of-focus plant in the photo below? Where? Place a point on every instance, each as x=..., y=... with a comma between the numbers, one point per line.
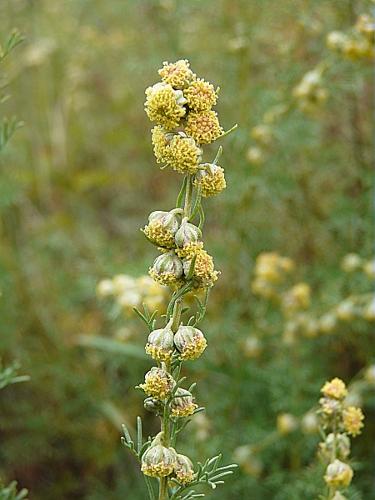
x=181, y=108
x=8, y=125
x=338, y=421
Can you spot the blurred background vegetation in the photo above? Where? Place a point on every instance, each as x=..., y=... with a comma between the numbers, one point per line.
x=78, y=181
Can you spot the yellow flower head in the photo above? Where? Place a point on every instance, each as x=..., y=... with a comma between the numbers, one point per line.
x=203, y=127
x=183, y=154
x=184, y=470
x=164, y=105
x=182, y=404
x=158, y=383
x=190, y=342
x=338, y=474
x=200, y=95
x=157, y=233
x=211, y=181
x=158, y=461
x=335, y=389
x=204, y=274
x=167, y=269
x=353, y=420
x=177, y=74
x=160, y=141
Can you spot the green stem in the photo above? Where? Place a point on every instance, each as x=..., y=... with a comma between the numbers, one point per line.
x=188, y=197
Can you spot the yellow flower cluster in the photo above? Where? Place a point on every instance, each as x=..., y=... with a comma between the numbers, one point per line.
x=340, y=420
x=353, y=420
x=335, y=389
x=204, y=274
x=181, y=107
x=200, y=95
x=358, y=43
x=177, y=74
x=158, y=383
x=177, y=151
x=130, y=292
x=164, y=105
x=203, y=127
x=211, y=180
x=157, y=233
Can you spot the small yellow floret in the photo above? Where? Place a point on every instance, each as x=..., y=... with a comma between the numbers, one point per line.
x=211, y=182
x=177, y=74
x=353, y=420
x=203, y=127
x=200, y=95
x=164, y=105
x=335, y=389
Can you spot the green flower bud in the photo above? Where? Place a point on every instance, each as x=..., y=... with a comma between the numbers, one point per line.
x=184, y=469
x=182, y=404
x=187, y=233
x=160, y=343
x=158, y=461
x=190, y=342
x=167, y=269
x=158, y=383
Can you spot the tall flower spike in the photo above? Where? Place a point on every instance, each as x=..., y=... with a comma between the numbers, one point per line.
x=180, y=106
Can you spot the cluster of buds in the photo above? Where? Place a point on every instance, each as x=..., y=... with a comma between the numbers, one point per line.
x=339, y=421
x=310, y=92
x=130, y=292
x=358, y=43
x=181, y=108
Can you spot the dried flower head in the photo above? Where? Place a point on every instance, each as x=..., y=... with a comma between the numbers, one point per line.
x=211, y=180
x=335, y=389
x=164, y=105
x=200, y=95
x=203, y=127
x=190, y=342
x=353, y=420
x=177, y=74
x=158, y=383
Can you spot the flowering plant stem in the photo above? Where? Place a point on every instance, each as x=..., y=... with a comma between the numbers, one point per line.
x=181, y=107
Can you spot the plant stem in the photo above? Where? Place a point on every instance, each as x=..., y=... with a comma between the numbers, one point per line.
x=188, y=197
